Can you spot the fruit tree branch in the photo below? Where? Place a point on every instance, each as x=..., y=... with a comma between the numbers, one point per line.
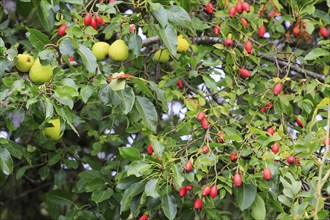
x=212, y=40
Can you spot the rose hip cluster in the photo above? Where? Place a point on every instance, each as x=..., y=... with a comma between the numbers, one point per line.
x=94, y=22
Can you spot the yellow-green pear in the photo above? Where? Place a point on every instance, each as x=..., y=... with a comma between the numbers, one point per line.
x=40, y=74
x=118, y=51
x=100, y=50
x=24, y=62
x=162, y=56
x=183, y=44
x=54, y=133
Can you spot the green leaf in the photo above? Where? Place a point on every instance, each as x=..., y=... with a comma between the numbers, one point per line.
x=77, y=2
x=160, y=95
x=101, y=195
x=45, y=14
x=147, y=111
x=130, y=153
x=232, y=134
x=245, y=195
x=139, y=168
x=127, y=99
x=6, y=163
x=15, y=149
x=179, y=16
x=88, y=58
x=58, y=197
x=135, y=44
x=169, y=206
x=159, y=12
x=86, y=92
x=258, y=209
x=37, y=39
x=150, y=188
x=316, y=53
x=21, y=171
x=169, y=37
x=46, y=57
x=117, y=83
x=157, y=146
x=177, y=174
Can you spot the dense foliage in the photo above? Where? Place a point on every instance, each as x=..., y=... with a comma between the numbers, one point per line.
x=219, y=110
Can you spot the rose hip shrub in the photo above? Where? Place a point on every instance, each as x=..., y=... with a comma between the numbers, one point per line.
x=234, y=125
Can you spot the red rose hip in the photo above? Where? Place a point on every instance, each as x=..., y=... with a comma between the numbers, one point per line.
x=198, y=204
x=275, y=148
x=266, y=173
x=244, y=73
x=61, y=30
x=277, y=89
x=237, y=180
x=291, y=160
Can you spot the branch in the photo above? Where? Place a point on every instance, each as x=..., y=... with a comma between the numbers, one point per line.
x=212, y=40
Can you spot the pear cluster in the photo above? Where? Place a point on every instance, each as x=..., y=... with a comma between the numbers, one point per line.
x=38, y=73
x=117, y=51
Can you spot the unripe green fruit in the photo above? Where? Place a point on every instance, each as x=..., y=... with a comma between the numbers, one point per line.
x=54, y=133
x=24, y=62
x=100, y=50
x=40, y=74
x=118, y=51
x=162, y=56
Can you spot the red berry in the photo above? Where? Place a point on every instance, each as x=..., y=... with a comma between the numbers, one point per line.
x=232, y=12
x=205, y=123
x=200, y=116
x=150, y=149
x=244, y=73
x=183, y=191
x=94, y=23
x=324, y=32
x=188, y=166
x=266, y=173
x=209, y=8
x=296, y=30
x=239, y=7
x=298, y=161
x=206, y=191
x=269, y=105
x=246, y=6
x=233, y=156
x=229, y=42
x=248, y=46
x=214, y=191
x=270, y=131
x=261, y=31
x=275, y=148
x=87, y=19
x=179, y=84
x=198, y=204
x=71, y=59
x=144, y=217
x=263, y=109
x=277, y=89
x=216, y=29
x=325, y=141
x=237, y=180
x=205, y=149
x=99, y=20
x=132, y=28
x=291, y=160
x=244, y=22
x=300, y=124
x=61, y=30
x=220, y=137
x=189, y=188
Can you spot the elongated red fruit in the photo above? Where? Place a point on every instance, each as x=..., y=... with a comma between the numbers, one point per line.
x=188, y=166
x=232, y=12
x=324, y=141
x=263, y=109
x=94, y=23
x=132, y=28
x=229, y=42
x=275, y=148
x=209, y=8
x=324, y=32
x=179, y=84
x=87, y=19
x=99, y=20
x=239, y=7
x=248, y=46
x=214, y=191
x=277, y=89
x=216, y=29
x=61, y=30
x=262, y=30
x=246, y=6
x=233, y=156
x=206, y=190
x=237, y=180
x=300, y=124
x=200, y=116
x=266, y=173
x=205, y=149
x=220, y=137
x=291, y=160
x=144, y=217
x=198, y=204
x=244, y=22
x=150, y=149
x=270, y=131
x=205, y=123
x=245, y=73
x=183, y=191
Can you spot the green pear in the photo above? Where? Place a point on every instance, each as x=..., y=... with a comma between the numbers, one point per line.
x=24, y=62
x=40, y=74
x=54, y=133
x=118, y=51
x=100, y=50
x=162, y=56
